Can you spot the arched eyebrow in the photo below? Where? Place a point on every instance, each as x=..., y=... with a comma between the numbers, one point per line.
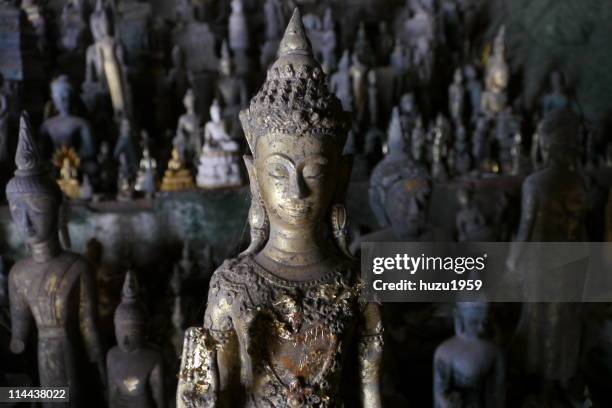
x=316, y=158
x=280, y=158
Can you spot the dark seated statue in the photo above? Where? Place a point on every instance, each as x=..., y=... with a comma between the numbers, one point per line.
x=66, y=128
x=469, y=369
x=135, y=369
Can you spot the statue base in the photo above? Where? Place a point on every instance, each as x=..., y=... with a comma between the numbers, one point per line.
x=219, y=169
x=179, y=180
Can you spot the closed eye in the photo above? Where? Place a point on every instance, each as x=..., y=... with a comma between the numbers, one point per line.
x=278, y=172
x=314, y=171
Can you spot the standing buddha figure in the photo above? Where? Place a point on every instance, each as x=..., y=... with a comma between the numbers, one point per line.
x=284, y=318
x=554, y=206
x=53, y=288
x=358, y=73
x=146, y=179
x=187, y=139
x=135, y=369
x=105, y=69
x=456, y=97
x=495, y=98
x=469, y=368
x=340, y=82
x=231, y=90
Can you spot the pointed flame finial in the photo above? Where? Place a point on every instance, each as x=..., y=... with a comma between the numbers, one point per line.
x=395, y=133
x=225, y=52
x=27, y=157
x=129, y=292
x=295, y=40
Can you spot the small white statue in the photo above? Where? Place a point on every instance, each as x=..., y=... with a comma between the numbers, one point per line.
x=220, y=158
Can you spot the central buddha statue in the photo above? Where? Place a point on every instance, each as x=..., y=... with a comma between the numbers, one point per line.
x=284, y=325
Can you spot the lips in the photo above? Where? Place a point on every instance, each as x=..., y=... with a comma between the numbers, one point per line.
x=295, y=210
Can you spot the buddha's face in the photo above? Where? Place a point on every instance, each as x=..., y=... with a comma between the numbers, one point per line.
x=226, y=68
x=215, y=113
x=61, y=97
x=407, y=203
x=35, y=215
x=463, y=198
x=473, y=321
x=130, y=335
x=500, y=78
x=407, y=103
x=189, y=102
x=297, y=178
x=178, y=59
x=126, y=127
x=105, y=28
x=458, y=76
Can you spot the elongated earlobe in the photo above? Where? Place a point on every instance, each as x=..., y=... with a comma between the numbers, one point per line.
x=258, y=218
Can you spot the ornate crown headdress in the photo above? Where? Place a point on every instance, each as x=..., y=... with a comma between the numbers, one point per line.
x=31, y=175
x=130, y=310
x=294, y=98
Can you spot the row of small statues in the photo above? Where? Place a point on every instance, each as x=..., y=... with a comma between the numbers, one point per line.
x=219, y=164
x=218, y=161
x=446, y=147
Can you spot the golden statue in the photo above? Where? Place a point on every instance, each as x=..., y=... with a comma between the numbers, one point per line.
x=176, y=176
x=284, y=318
x=495, y=98
x=67, y=161
x=105, y=69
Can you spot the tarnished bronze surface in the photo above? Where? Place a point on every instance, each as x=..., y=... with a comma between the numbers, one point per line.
x=54, y=288
x=67, y=129
x=284, y=322
x=553, y=208
x=469, y=369
x=135, y=369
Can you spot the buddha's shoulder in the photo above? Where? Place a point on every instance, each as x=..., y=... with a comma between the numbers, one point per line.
x=65, y=258
x=22, y=266
x=233, y=271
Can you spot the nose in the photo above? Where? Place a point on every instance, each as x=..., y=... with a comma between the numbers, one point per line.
x=413, y=206
x=28, y=224
x=297, y=187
